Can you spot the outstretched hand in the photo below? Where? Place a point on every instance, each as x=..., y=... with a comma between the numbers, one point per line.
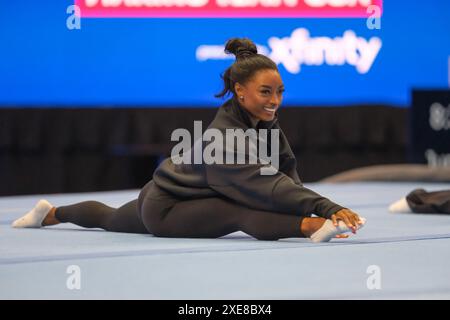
x=350, y=218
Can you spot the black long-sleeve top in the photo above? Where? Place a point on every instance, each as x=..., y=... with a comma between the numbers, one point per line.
x=281, y=192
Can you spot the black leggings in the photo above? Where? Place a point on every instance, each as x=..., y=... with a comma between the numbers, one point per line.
x=163, y=215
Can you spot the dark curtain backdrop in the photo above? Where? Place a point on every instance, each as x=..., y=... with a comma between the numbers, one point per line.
x=53, y=150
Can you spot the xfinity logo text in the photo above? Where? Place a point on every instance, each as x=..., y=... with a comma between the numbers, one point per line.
x=301, y=49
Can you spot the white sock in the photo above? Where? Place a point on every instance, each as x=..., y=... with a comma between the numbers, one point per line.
x=400, y=206
x=328, y=231
x=34, y=218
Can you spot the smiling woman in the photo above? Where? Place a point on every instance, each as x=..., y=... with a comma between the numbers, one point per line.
x=262, y=95
x=259, y=90
x=210, y=200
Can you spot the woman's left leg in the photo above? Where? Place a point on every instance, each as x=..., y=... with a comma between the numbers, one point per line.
x=216, y=217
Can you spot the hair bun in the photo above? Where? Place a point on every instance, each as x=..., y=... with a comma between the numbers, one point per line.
x=241, y=47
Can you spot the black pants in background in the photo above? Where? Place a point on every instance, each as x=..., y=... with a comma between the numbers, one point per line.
x=161, y=214
x=421, y=201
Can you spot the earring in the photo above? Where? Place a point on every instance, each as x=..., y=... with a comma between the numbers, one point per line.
x=241, y=97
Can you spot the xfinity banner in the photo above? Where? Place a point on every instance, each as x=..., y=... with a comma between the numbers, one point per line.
x=170, y=53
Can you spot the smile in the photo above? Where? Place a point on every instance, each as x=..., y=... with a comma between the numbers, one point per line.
x=270, y=109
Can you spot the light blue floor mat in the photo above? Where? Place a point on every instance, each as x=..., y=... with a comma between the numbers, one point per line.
x=395, y=256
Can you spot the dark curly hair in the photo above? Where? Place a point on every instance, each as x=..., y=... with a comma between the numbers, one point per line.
x=248, y=62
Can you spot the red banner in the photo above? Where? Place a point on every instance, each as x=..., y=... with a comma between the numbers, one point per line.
x=230, y=8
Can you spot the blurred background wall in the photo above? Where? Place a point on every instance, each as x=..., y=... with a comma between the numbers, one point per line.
x=89, y=104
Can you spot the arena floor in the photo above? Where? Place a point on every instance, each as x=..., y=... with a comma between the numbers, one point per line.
x=395, y=256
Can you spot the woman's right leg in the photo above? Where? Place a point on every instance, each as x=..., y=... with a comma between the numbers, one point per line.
x=93, y=214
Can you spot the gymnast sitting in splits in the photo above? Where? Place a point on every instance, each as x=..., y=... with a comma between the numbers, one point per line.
x=194, y=200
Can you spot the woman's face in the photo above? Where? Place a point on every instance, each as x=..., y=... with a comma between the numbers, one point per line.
x=262, y=94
